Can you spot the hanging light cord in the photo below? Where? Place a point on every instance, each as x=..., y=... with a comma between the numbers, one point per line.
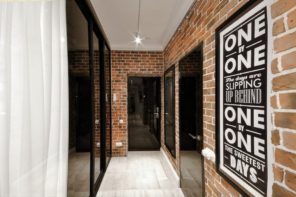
x=139, y=18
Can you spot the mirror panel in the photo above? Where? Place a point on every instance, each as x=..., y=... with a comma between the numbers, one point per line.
x=169, y=110
x=80, y=116
x=107, y=70
x=96, y=91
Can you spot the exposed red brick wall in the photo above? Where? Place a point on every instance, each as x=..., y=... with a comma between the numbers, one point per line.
x=283, y=97
x=124, y=64
x=197, y=28
x=189, y=65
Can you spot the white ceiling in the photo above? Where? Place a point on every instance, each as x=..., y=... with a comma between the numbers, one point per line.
x=159, y=19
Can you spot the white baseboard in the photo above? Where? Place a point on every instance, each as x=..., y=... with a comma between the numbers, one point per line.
x=170, y=170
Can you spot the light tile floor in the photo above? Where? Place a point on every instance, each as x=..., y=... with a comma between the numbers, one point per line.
x=140, y=174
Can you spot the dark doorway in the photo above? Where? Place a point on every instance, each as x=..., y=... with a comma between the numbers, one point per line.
x=143, y=113
x=190, y=113
x=191, y=127
x=83, y=107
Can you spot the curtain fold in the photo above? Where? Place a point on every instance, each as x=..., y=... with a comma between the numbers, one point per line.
x=33, y=99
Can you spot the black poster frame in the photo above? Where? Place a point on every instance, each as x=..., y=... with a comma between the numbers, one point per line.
x=241, y=12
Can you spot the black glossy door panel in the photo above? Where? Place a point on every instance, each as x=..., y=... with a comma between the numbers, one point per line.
x=143, y=113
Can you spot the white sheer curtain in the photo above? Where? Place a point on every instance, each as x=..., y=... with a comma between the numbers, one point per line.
x=33, y=98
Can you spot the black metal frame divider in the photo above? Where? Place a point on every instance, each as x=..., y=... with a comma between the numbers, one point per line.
x=94, y=26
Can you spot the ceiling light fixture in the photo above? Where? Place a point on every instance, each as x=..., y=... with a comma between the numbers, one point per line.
x=137, y=37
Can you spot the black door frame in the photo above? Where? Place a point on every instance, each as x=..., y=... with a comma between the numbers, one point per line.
x=200, y=49
x=159, y=101
x=94, y=26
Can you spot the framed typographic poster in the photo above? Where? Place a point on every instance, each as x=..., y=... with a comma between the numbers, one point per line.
x=241, y=99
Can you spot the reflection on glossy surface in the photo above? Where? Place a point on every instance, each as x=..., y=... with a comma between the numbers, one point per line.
x=80, y=103
x=169, y=109
x=191, y=176
x=96, y=89
x=190, y=120
x=143, y=113
x=78, y=174
x=108, y=101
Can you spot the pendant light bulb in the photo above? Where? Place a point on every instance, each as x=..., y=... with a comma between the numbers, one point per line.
x=138, y=39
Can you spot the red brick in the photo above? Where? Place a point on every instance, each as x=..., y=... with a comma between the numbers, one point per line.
x=289, y=140
x=284, y=82
x=275, y=137
x=289, y=61
x=292, y=19
x=221, y=5
x=285, y=42
x=278, y=27
x=281, y=7
x=278, y=173
x=288, y=101
x=290, y=180
x=285, y=158
x=279, y=191
x=285, y=120
x=274, y=66
x=273, y=102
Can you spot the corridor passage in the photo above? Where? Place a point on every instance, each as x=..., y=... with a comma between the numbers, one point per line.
x=140, y=174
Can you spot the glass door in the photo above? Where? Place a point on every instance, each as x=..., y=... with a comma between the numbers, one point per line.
x=143, y=113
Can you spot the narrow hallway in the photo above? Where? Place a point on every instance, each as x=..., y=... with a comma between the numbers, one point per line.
x=140, y=174
x=147, y=98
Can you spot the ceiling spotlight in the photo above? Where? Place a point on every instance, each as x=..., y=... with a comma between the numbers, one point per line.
x=138, y=40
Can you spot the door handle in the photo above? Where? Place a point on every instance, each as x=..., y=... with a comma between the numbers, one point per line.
x=192, y=136
x=198, y=137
